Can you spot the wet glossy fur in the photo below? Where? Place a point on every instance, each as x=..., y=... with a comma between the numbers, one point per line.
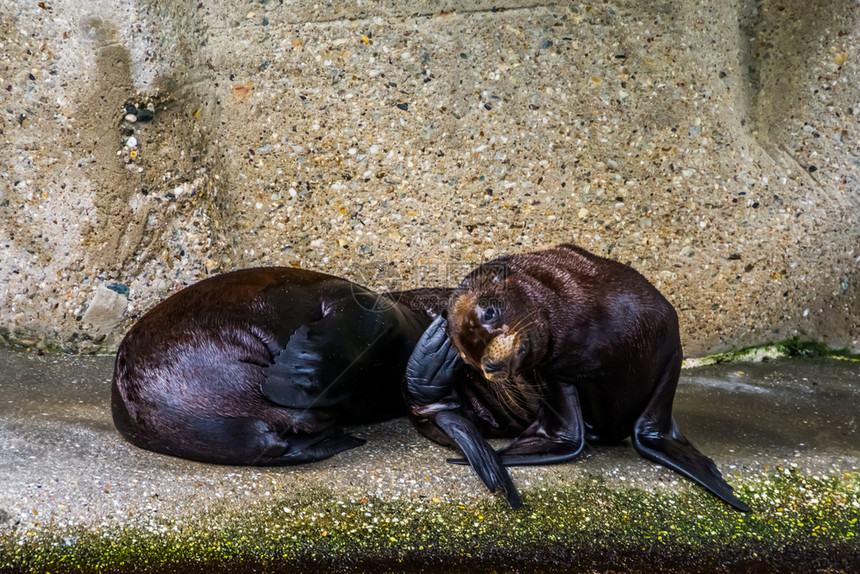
x=594, y=353
x=579, y=330
x=261, y=366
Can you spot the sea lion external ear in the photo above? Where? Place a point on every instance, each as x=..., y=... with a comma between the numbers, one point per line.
x=460, y=310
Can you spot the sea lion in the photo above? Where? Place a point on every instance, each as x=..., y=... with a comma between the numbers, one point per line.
x=557, y=348
x=262, y=366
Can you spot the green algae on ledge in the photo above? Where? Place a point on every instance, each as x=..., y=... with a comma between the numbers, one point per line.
x=589, y=525
x=789, y=348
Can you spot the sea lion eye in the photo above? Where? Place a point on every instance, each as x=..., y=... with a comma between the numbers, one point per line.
x=490, y=313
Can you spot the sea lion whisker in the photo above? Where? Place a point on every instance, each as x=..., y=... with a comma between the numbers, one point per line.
x=503, y=390
x=530, y=391
x=517, y=403
x=516, y=393
x=526, y=317
x=520, y=328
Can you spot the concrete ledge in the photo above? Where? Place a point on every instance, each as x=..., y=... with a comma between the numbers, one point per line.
x=74, y=497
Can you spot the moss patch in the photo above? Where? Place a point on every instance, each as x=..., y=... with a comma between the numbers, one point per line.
x=799, y=521
x=789, y=348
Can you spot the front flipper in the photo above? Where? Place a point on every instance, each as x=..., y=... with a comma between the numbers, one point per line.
x=320, y=363
x=481, y=456
x=309, y=449
x=432, y=366
x=674, y=451
x=557, y=436
x=436, y=411
x=301, y=376
x=430, y=374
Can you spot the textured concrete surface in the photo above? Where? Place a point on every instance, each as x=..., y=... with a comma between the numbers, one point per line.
x=74, y=495
x=712, y=145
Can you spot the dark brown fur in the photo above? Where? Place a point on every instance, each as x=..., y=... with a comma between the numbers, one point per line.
x=555, y=347
x=260, y=366
x=579, y=318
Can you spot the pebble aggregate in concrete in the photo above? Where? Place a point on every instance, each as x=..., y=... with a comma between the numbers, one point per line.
x=711, y=147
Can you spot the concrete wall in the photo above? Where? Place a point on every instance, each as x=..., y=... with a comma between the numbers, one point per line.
x=712, y=145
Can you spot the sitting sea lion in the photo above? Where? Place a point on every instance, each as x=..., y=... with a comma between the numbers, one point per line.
x=556, y=348
x=261, y=366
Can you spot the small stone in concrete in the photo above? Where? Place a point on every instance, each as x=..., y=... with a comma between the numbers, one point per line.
x=105, y=311
x=120, y=288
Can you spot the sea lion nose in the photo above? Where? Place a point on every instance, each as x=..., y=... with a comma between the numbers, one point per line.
x=493, y=367
x=496, y=371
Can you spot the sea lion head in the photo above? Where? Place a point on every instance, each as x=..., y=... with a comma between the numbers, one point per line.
x=495, y=326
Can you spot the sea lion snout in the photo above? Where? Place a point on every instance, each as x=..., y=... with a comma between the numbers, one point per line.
x=496, y=371
x=497, y=363
x=488, y=336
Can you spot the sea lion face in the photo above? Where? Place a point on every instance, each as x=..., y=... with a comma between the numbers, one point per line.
x=495, y=330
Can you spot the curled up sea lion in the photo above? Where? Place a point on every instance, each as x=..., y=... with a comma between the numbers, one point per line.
x=262, y=366
x=556, y=348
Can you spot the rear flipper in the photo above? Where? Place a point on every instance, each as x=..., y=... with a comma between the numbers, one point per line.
x=481, y=456
x=298, y=450
x=265, y=440
x=674, y=451
x=657, y=438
